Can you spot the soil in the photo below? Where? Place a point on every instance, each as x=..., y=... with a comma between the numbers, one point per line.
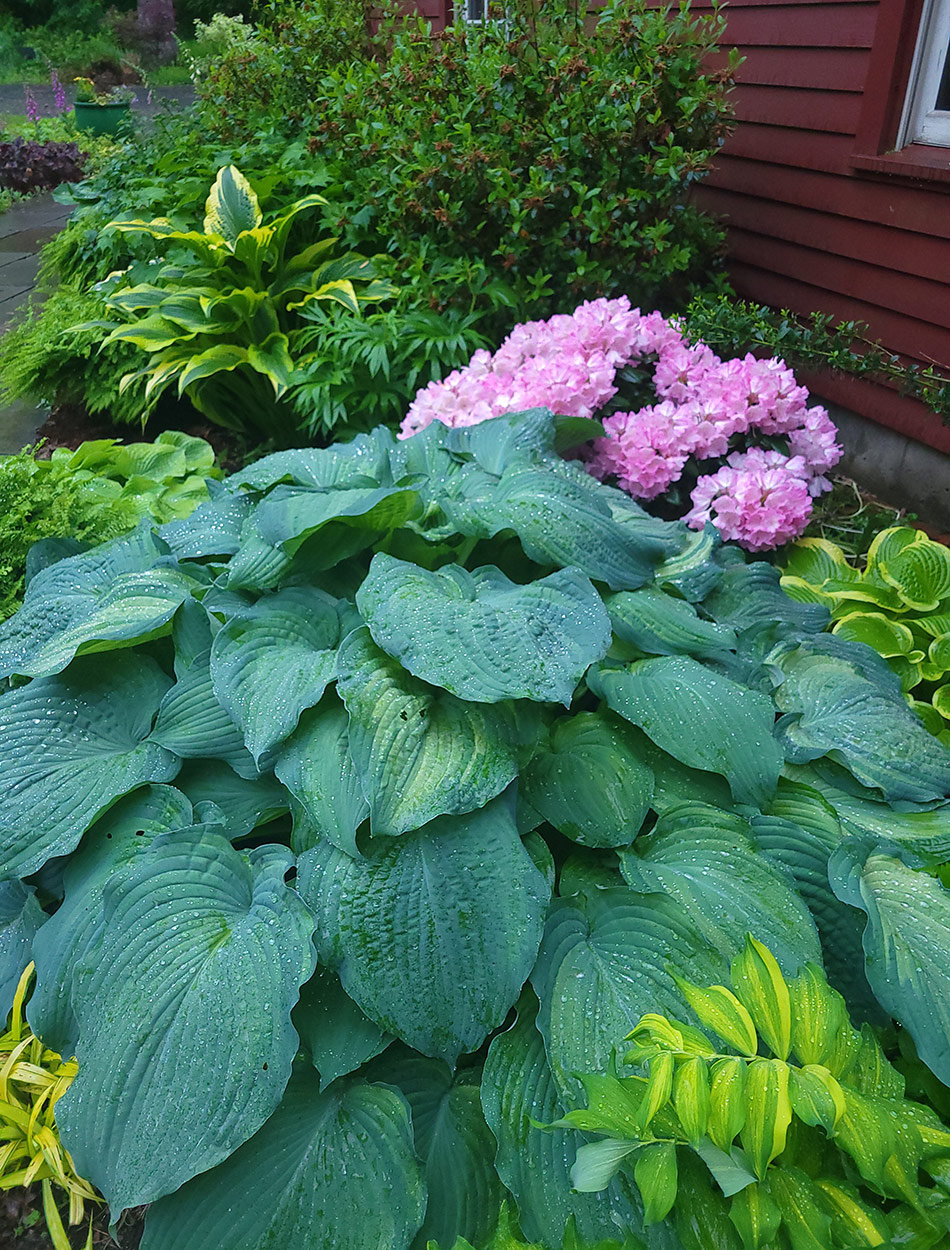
x=22, y=1226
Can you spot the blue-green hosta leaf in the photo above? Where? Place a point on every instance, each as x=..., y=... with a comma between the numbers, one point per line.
x=108, y=852
x=696, y=567
x=328, y=1171
x=481, y=636
x=72, y=745
x=258, y=564
x=518, y=1087
x=751, y=594
x=361, y=462
x=527, y=436
x=659, y=624
x=705, y=860
x=591, y=783
x=420, y=752
x=111, y=596
x=605, y=961
x=833, y=709
x=454, y=1143
x=21, y=917
x=318, y=770
x=291, y=514
x=273, y=660
x=675, y=783
x=188, y=988
x=560, y=518
x=700, y=718
x=245, y=801
x=906, y=943
x=433, y=935
x=337, y=1035
x=213, y=529
x=231, y=207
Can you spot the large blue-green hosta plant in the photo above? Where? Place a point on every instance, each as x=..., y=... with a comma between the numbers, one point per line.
x=350, y=819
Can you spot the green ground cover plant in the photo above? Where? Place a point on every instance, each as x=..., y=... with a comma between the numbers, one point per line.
x=101, y=490
x=423, y=770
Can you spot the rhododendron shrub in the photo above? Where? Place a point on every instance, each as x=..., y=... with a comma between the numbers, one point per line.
x=740, y=430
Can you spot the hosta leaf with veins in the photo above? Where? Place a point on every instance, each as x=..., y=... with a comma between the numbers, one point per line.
x=72, y=745
x=189, y=989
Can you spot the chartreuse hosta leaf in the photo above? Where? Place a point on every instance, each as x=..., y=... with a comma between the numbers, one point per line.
x=705, y=861
x=590, y=782
x=770, y=1130
x=194, y=935
x=112, y=596
x=109, y=851
x=72, y=746
x=452, y=1140
x=519, y=1091
x=481, y=636
x=420, y=752
x=432, y=935
x=700, y=718
x=334, y=1170
x=273, y=660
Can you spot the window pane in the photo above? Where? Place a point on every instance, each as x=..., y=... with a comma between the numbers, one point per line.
x=943, y=91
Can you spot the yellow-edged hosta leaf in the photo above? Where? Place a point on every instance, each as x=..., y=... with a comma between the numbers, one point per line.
x=727, y=1103
x=655, y=1172
x=816, y=1097
x=232, y=206
x=719, y=1009
x=755, y=1214
x=819, y=1016
x=659, y=1087
x=760, y=986
x=768, y=1112
x=691, y=1097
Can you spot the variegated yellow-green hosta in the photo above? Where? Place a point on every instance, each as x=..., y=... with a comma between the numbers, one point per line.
x=32, y=1080
x=798, y=1117
x=218, y=317
x=899, y=605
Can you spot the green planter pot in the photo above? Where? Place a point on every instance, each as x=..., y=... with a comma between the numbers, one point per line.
x=103, y=119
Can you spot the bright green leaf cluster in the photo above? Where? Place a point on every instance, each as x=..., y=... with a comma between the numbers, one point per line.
x=801, y=1122
x=899, y=605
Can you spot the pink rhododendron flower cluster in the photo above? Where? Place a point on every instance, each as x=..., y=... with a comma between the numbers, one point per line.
x=569, y=364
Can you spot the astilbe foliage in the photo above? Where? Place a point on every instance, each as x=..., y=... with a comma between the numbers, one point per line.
x=708, y=414
x=31, y=165
x=348, y=819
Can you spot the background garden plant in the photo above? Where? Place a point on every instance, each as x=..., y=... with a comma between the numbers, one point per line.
x=393, y=740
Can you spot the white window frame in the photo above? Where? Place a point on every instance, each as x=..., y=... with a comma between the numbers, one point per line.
x=921, y=123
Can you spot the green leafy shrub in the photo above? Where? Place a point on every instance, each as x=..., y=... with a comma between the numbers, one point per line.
x=216, y=318
x=899, y=605
x=804, y=1152
x=388, y=790
x=101, y=490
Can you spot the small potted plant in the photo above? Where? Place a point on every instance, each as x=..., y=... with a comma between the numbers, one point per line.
x=102, y=113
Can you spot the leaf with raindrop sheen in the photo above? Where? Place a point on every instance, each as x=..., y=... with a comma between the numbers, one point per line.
x=700, y=718
x=591, y=784
x=420, y=752
x=115, y=594
x=482, y=636
x=328, y=1171
x=273, y=660
x=660, y=624
x=21, y=917
x=337, y=1035
x=72, y=745
x=433, y=935
x=187, y=991
x=291, y=514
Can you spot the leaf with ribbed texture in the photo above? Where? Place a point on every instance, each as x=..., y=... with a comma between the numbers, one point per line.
x=291, y=514
x=337, y=1035
x=21, y=917
x=482, y=636
x=420, y=752
x=112, y=596
x=275, y=659
x=72, y=745
x=316, y=767
x=605, y=961
x=518, y=1087
x=906, y=943
x=832, y=708
x=188, y=988
x=108, y=852
x=706, y=862
x=560, y=517
x=435, y=934
x=232, y=206
x=751, y=594
x=591, y=783
x=213, y=529
x=454, y=1143
x=660, y=624
x=328, y=1171
x=704, y=720
x=191, y=721
x=245, y=801
x=365, y=457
